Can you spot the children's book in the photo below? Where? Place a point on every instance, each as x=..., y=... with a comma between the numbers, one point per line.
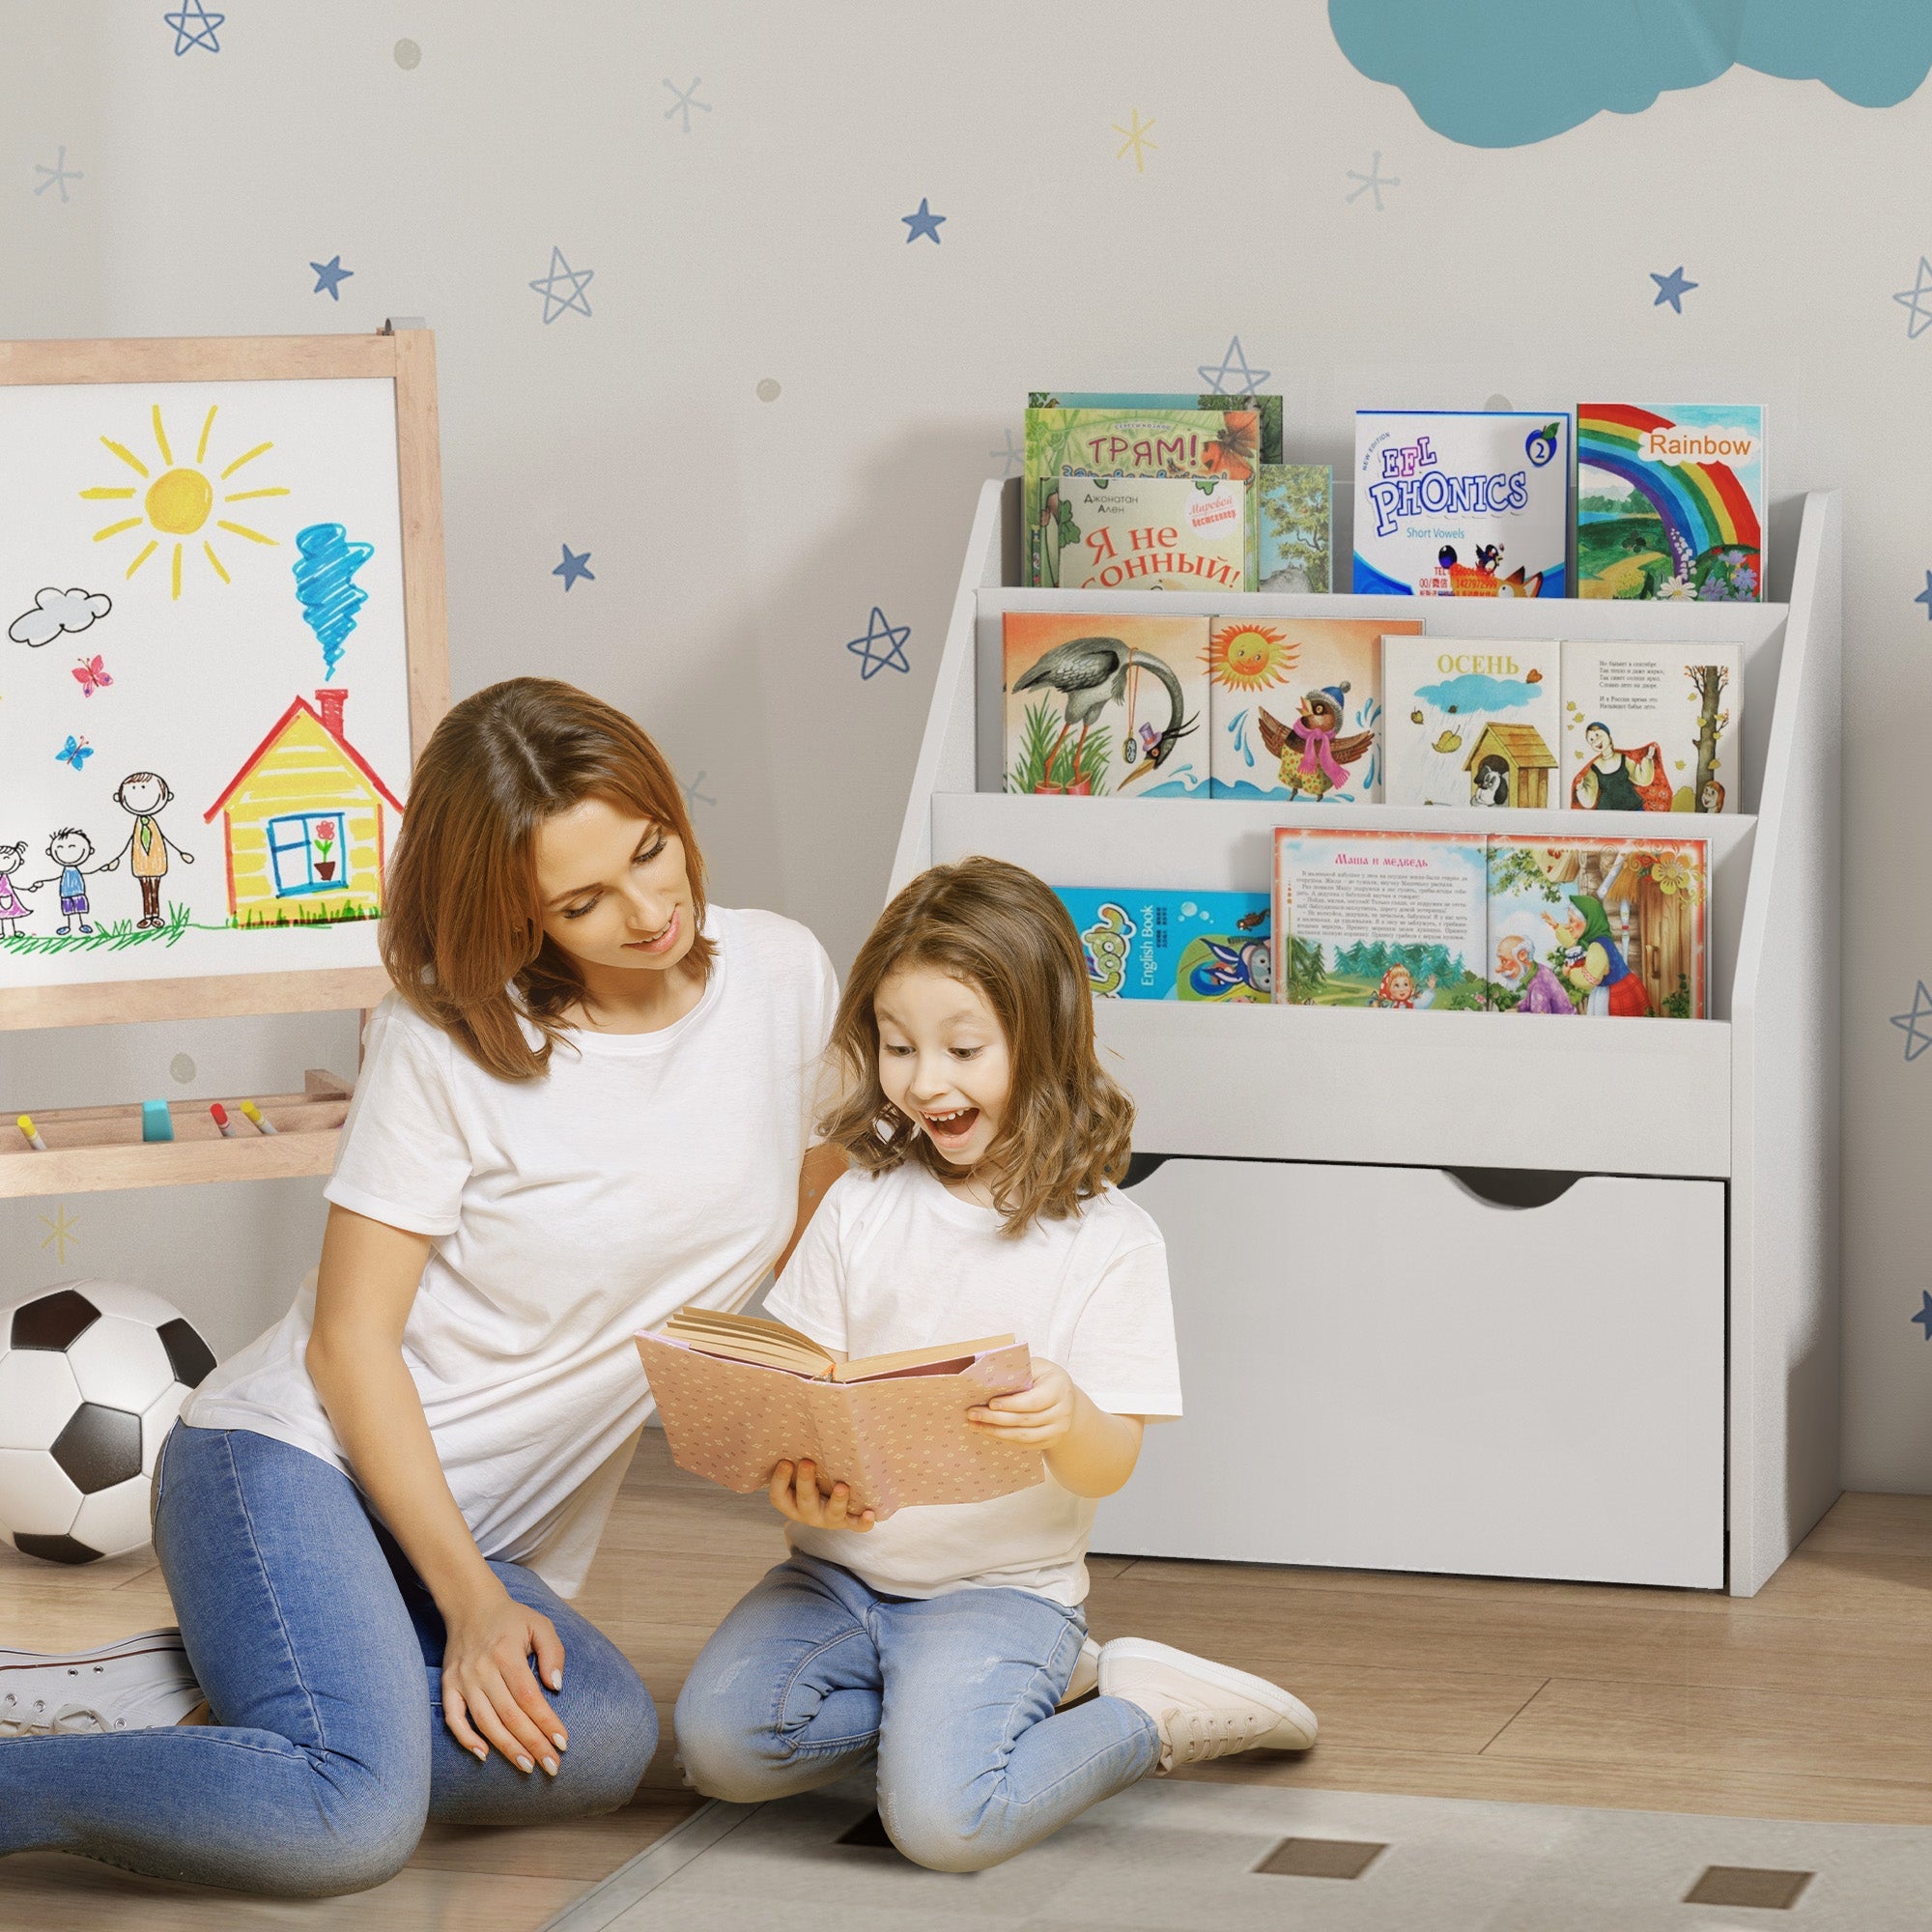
x=1472, y=721
x=1151, y=943
x=1157, y=534
x=1268, y=408
x=1102, y=706
x=1295, y=707
x=1380, y=918
x=1295, y=509
x=1599, y=926
x=1671, y=501
x=1653, y=728
x=1462, y=503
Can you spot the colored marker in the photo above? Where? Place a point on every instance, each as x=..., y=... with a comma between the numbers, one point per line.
x=254, y=1114
x=26, y=1124
x=228, y=1127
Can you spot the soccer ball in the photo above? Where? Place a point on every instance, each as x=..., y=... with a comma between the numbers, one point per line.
x=92, y=1374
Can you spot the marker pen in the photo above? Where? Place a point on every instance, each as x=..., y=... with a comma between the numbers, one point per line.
x=26, y=1124
x=254, y=1113
x=228, y=1127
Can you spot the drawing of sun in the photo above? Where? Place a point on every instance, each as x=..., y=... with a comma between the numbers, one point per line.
x=1250, y=657
x=176, y=503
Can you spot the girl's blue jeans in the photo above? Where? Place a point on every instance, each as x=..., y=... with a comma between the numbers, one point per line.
x=815, y=1675
x=320, y=1654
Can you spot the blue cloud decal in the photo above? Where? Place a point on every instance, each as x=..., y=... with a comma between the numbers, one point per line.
x=1502, y=73
x=1474, y=691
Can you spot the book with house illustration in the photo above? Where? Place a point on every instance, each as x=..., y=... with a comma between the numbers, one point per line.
x=1295, y=507
x=1102, y=706
x=1462, y=503
x=1653, y=728
x=1671, y=501
x=1599, y=927
x=1472, y=721
x=1295, y=707
x=1153, y=943
x=1268, y=408
x=1157, y=534
x=1395, y=919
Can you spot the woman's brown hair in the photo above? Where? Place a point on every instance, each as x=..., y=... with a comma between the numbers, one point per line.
x=994, y=926
x=462, y=922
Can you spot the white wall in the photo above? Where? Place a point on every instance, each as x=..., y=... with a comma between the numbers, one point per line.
x=738, y=544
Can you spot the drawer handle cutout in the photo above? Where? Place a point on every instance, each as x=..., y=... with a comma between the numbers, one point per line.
x=1514, y=1186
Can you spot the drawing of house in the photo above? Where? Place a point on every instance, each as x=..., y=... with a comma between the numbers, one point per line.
x=1527, y=760
x=303, y=823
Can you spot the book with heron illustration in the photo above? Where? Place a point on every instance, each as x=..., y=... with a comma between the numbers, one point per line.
x=1100, y=705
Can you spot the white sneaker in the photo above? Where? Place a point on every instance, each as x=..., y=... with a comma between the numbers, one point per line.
x=142, y=1683
x=1203, y=1709
x=1086, y=1674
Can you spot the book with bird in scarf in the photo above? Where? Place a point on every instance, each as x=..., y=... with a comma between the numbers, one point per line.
x=1152, y=943
x=1098, y=705
x=1653, y=728
x=1158, y=534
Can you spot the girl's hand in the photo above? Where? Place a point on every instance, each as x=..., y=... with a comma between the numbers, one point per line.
x=795, y=1493
x=1039, y=1416
x=487, y=1684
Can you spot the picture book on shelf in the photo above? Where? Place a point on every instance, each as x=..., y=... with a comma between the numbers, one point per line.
x=1671, y=501
x=1472, y=721
x=1653, y=728
x=1462, y=503
x=1153, y=944
x=1599, y=926
x=1380, y=918
x=1098, y=705
x=1295, y=707
x=1268, y=408
x=1155, y=534
x=1296, y=511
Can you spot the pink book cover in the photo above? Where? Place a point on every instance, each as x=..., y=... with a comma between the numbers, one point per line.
x=898, y=1441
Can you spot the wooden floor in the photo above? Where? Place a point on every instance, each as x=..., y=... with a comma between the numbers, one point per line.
x=1812, y=1700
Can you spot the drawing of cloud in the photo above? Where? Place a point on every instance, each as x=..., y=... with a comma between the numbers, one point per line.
x=1502, y=73
x=58, y=611
x=1474, y=691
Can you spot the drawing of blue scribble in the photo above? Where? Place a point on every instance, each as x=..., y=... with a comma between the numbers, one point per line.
x=328, y=598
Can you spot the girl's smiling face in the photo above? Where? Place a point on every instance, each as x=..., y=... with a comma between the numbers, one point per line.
x=614, y=887
x=943, y=1063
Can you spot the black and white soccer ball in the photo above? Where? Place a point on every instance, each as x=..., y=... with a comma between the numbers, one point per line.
x=92, y=1374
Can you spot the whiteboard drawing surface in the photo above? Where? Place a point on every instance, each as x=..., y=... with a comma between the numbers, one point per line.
x=204, y=679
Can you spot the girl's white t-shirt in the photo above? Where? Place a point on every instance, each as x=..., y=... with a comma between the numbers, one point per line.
x=895, y=1261
x=643, y=1172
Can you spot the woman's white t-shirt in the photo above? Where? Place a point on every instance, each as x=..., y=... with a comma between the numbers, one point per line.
x=895, y=1261
x=645, y=1171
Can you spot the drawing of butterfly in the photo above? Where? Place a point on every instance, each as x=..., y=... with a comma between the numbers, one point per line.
x=75, y=751
x=91, y=675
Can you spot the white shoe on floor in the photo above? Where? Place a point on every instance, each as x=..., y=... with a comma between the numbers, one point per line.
x=1086, y=1674
x=1202, y=1709
x=142, y=1683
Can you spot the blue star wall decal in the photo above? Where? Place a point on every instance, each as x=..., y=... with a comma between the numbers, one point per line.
x=1672, y=288
x=1924, y=1314
x=330, y=276
x=194, y=27
x=1014, y=457
x=1918, y=300
x=1917, y=1038
x=693, y=796
x=1373, y=183
x=879, y=632
x=684, y=100
x=1925, y=597
x=561, y=276
x=1233, y=364
x=925, y=222
x=574, y=564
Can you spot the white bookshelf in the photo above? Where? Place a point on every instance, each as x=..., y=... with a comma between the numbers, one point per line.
x=1744, y=1103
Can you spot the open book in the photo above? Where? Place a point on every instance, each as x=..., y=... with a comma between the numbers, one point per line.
x=738, y=1394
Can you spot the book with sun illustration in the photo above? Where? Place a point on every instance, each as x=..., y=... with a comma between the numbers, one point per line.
x=738, y=1394
x=1380, y=918
x=1157, y=534
x=1472, y=721
x=1098, y=704
x=1608, y=927
x=1152, y=943
x=1653, y=728
x=1295, y=507
x=1295, y=707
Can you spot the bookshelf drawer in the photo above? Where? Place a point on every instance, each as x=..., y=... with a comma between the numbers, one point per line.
x=1383, y=1369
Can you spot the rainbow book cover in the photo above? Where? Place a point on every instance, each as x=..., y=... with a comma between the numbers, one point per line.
x=1462, y=503
x=1671, y=501
x=1599, y=927
x=1653, y=728
x=1296, y=510
x=1153, y=943
x=1268, y=408
x=1157, y=534
x=1473, y=722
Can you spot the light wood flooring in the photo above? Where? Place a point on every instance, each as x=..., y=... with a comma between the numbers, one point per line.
x=1812, y=1700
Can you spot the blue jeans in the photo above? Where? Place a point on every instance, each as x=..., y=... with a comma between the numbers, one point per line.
x=815, y=1675
x=320, y=1654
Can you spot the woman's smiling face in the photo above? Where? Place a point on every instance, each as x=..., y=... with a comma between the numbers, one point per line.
x=614, y=887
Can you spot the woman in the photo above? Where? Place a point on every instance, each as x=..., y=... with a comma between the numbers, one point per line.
x=584, y=1104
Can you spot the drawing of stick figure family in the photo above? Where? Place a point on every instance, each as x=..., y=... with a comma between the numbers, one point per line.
x=143, y=796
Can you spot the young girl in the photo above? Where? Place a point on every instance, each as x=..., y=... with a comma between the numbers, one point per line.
x=985, y=1136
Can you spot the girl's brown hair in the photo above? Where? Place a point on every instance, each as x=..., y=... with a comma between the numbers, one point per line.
x=994, y=926
x=462, y=922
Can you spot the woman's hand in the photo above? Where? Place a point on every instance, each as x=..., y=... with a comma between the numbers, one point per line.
x=487, y=1684
x=1038, y=1416
x=795, y=1493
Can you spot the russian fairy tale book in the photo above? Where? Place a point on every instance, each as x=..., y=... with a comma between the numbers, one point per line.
x=1155, y=534
x=1155, y=944
x=1268, y=408
x=1295, y=707
x=1473, y=722
x=1671, y=501
x=1103, y=705
x=1380, y=918
x=1462, y=503
x=1602, y=927
x=1653, y=728
x=1296, y=510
